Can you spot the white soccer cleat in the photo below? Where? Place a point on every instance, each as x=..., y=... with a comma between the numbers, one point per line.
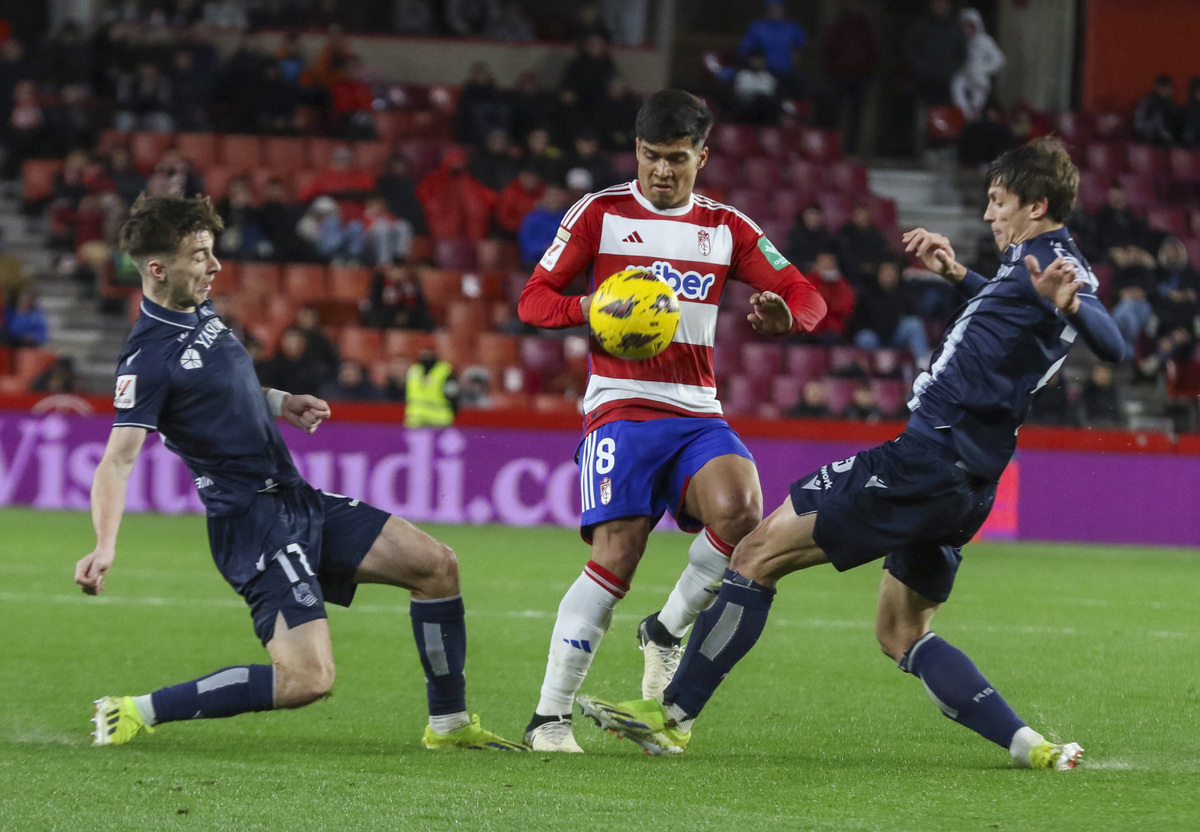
x=553, y=736
x=661, y=661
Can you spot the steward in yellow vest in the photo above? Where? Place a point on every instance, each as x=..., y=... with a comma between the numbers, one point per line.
x=430, y=391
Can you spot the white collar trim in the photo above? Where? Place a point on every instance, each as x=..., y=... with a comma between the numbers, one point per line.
x=666, y=212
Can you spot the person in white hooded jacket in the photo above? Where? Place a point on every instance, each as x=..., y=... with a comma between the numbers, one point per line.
x=972, y=84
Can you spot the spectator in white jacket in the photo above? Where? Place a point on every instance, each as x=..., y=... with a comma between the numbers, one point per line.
x=972, y=84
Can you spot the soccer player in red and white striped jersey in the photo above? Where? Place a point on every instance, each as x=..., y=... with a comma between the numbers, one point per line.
x=655, y=439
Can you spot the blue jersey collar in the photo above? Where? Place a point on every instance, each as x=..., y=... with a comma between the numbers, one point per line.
x=1015, y=254
x=186, y=320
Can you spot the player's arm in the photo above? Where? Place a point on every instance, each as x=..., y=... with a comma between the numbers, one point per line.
x=301, y=411
x=543, y=303
x=936, y=253
x=108, y=504
x=1059, y=283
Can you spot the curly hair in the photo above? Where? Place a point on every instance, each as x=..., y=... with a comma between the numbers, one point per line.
x=1041, y=169
x=158, y=225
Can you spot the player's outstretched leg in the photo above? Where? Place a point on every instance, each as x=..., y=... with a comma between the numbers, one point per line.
x=643, y=721
x=660, y=635
x=584, y=616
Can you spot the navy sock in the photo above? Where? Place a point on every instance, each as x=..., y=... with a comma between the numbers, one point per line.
x=723, y=634
x=959, y=689
x=441, y=636
x=234, y=690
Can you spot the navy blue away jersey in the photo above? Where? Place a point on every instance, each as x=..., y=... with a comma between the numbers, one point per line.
x=185, y=375
x=1004, y=346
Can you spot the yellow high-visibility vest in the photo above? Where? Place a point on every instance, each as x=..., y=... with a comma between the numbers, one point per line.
x=425, y=402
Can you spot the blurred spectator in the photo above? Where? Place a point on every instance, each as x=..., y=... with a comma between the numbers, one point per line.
x=511, y=23
x=238, y=80
x=808, y=236
x=72, y=124
x=292, y=367
x=190, y=90
x=332, y=60
x=279, y=218
x=278, y=99
x=174, y=175
x=585, y=79
x=67, y=57
x=351, y=385
x=470, y=18
x=225, y=14
x=353, y=102
x=456, y=203
x=542, y=156
x=25, y=129
x=756, y=92
x=936, y=48
x=626, y=21
x=243, y=237
x=984, y=139
x=972, y=84
x=495, y=164
x=863, y=405
x=482, y=107
x=396, y=378
x=474, y=389
x=1189, y=129
x=25, y=322
x=341, y=180
x=1100, y=401
x=886, y=315
x=861, y=246
x=413, y=17
x=399, y=191
x=615, y=116
x=144, y=100
x=780, y=40
x=1052, y=405
x=1176, y=305
x=397, y=299
x=1116, y=225
x=290, y=58
x=517, y=199
x=541, y=224
x=532, y=105
x=851, y=52
x=323, y=228
x=587, y=157
x=1133, y=285
x=588, y=20
x=386, y=238
x=1156, y=117
x=430, y=392
x=838, y=296
x=59, y=377
x=320, y=350
x=812, y=403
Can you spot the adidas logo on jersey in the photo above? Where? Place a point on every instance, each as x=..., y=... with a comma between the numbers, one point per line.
x=633, y=238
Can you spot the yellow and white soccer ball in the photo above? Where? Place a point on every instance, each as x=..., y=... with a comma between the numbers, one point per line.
x=634, y=314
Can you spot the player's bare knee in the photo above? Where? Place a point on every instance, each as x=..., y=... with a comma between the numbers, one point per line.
x=438, y=577
x=301, y=683
x=737, y=514
x=896, y=641
x=750, y=556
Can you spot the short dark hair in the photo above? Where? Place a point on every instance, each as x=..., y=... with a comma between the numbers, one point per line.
x=157, y=225
x=671, y=115
x=1041, y=169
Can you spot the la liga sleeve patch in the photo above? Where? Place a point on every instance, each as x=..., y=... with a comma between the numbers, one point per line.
x=126, y=396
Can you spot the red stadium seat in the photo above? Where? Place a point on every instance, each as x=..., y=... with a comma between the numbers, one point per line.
x=198, y=148
x=371, y=156
x=780, y=142
x=282, y=154
x=786, y=203
x=497, y=349
x=1184, y=163
x=1192, y=244
x=720, y=172
x=147, y=148
x=497, y=255
x=848, y=177
x=761, y=358
x=776, y=230
x=305, y=282
x=843, y=357
x=468, y=317
x=742, y=395
x=1075, y=128
x=839, y=393
x=544, y=355
x=37, y=178
x=1139, y=190
x=805, y=362
x=820, y=145
x=890, y=396
x=1194, y=222
x=838, y=208
x=393, y=125
x=260, y=279
x=243, y=153
x=1093, y=190
x=943, y=124
x=736, y=140
x=423, y=155
x=1106, y=158
x=1111, y=126
x=1147, y=159
x=407, y=343
x=786, y=391
x=1173, y=221
x=762, y=172
x=883, y=211
x=441, y=287
x=1103, y=273
x=216, y=180
x=349, y=282
x=320, y=152
x=456, y=253
x=361, y=344
x=112, y=138
x=805, y=176
x=750, y=201
x=455, y=346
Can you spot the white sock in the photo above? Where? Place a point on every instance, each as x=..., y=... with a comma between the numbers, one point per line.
x=447, y=723
x=682, y=721
x=583, y=618
x=1022, y=743
x=145, y=708
x=697, y=588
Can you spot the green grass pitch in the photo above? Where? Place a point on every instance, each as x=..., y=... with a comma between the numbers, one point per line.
x=815, y=730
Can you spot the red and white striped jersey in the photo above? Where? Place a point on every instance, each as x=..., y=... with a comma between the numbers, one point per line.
x=696, y=248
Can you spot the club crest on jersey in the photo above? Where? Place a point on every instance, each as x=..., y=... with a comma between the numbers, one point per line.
x=191, y=360
x=606, y=491
x=126, y=396
x=704, y=240
x=688, y=285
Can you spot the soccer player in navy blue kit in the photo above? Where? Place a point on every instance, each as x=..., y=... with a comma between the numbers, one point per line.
x=284, y=546
x=915, y=501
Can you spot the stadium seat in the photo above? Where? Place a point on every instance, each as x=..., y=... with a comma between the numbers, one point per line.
x=1093, y=189
x=1194, y=222
x=407, y=343
x=762, y=172
x=393, y=125
x=305, y=282
x=467, y=317
x=229, y=279
x=111, y=138
x=543, y=355
x=750, y=201
x=943, y=124
x=361, y=344
x=300, y=180
x=497, y=255
x=720, y=172
x=727, y=359
x=320, y=152
x=337, y=313
x=1147, y=159
x=805, y=176
x=838, y=208
x=820, y=145
x=349, y=282
x=776, y=230
x=1192, y=244
x=1183, y=379
x=804, y=361
x=786, y=203
x=441, y=287
x=625, y=164
x=786, y=391
x=890, y=396
x=848, y=177
x=1184, y=163
x=889, y=362
x=780, y=142
x=456, y=253
x=1103, y=273
x=260, y=279
x=37, y=178
x=839, y=392
x=1110, y=126
x=243, y=153
x=282, y=155
x=455, y=347
x=883, y=211
x=30, y=362
x=423, y=155
x=761, y=359
x=1106, y=158
x=216, y=180
x=1173, y=221
x=842, y=357
x=279, y=310
x=510, y=400
x=371, y=156
x=735, y=140
x=497, y=349
x=1139, y=190
x=147, y=148
x=1075, y=128
x=198, y=148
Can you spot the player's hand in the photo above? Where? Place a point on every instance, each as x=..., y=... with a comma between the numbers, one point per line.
x=585, y=303
x=1056, y=283
x=935, y=252
x=769, y=314
x=90, y=570
x=304, y=411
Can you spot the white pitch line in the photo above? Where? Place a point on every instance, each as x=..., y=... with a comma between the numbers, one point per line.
x=788, y=623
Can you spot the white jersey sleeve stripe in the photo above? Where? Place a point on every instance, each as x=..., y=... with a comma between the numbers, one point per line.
x=721, y=206
x=603, y=389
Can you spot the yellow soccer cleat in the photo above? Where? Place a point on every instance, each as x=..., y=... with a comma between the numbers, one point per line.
x=644, y=721
x=117, y=721
x=472, y=735
x=1055, y=756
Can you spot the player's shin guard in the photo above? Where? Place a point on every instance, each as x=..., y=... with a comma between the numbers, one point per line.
x=441, y=636
x=725, y=632
x=697, y=588
x=234, y=690
x=583, y=619
x=958, y=688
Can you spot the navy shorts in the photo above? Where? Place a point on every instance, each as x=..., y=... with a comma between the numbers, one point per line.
x=293, y=550
x=642, y=469
x=907, y=501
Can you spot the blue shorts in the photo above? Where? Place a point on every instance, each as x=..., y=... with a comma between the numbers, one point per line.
x=907, y=501
x=293, y=550
x=642, y=469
